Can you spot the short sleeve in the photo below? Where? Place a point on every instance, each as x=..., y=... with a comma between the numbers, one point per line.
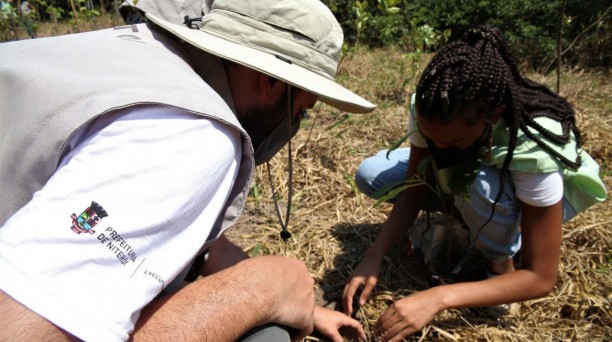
x=538, y=189
x=416, y=138
x=129, y=207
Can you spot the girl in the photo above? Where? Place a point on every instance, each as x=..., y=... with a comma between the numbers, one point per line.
x=507, y=152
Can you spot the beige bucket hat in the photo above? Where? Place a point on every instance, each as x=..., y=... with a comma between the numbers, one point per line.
x=296, y=41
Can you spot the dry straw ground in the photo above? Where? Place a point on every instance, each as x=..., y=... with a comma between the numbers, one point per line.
x=332, y=224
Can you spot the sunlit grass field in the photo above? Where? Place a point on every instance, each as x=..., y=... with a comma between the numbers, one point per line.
x=332, y=224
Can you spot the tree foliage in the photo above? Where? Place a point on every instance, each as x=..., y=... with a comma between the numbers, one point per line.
x=531, y=26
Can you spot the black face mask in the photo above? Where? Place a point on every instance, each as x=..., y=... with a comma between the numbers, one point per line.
x=462, y=165
x=278, y=138
x=452, y=156
x=449, y=157
x=282, y=133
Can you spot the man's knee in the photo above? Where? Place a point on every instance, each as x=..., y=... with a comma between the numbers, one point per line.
x=267, y=333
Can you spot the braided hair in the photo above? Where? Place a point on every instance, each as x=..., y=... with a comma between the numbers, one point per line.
x=476, y=75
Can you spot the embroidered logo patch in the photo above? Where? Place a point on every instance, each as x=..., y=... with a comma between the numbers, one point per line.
x=88, y=219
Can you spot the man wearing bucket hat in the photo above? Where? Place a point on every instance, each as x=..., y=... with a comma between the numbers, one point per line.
x=127, y=152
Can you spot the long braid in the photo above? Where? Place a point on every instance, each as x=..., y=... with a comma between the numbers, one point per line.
x=479, y=72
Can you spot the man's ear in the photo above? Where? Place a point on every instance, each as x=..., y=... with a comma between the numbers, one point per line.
x=270, y=88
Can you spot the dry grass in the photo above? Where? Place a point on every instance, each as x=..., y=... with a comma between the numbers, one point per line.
x=48, y=29
x=333, y=225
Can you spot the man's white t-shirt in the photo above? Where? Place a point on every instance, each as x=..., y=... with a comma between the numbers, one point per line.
x=159, y=178
x=536, y=189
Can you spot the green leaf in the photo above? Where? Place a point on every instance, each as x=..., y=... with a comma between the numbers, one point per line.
x=391, y=190
x=255, y=250
x=351, y=181
x=256, y=193
x=400, y=142
x=392, y=194
x=424, y=165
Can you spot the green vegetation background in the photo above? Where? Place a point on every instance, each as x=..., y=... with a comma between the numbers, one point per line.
x=538, y=30
x=389, y=42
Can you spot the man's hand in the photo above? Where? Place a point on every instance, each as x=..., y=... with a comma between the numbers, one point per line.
x=254, y=292
x=223, y=254
x=290, y=289
x=329, y=322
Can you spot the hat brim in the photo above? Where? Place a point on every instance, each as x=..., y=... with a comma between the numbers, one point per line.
x=328, y=90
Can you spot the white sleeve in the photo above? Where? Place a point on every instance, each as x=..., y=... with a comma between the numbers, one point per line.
x=159, y=178
x=416, y=139
x=538, y=189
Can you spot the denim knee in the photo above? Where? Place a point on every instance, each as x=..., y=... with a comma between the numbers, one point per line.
x=364, y=177
x=380, y=170
x=500, y=238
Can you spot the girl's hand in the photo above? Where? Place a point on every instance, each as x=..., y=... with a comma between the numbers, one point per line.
x=407, y=316
x=329, y=322
x=366, y=275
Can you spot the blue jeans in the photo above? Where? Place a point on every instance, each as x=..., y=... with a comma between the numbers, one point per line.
x=500, y=239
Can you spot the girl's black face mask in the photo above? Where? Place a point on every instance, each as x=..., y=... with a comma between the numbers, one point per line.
x=452, y=156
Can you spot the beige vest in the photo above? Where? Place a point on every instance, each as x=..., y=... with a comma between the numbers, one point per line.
x=51, y=87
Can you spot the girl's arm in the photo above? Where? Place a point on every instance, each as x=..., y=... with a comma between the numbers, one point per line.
x=406, y=208
x=541, y=239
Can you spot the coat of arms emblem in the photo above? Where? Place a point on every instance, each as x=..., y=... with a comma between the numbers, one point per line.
x=88, y=219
